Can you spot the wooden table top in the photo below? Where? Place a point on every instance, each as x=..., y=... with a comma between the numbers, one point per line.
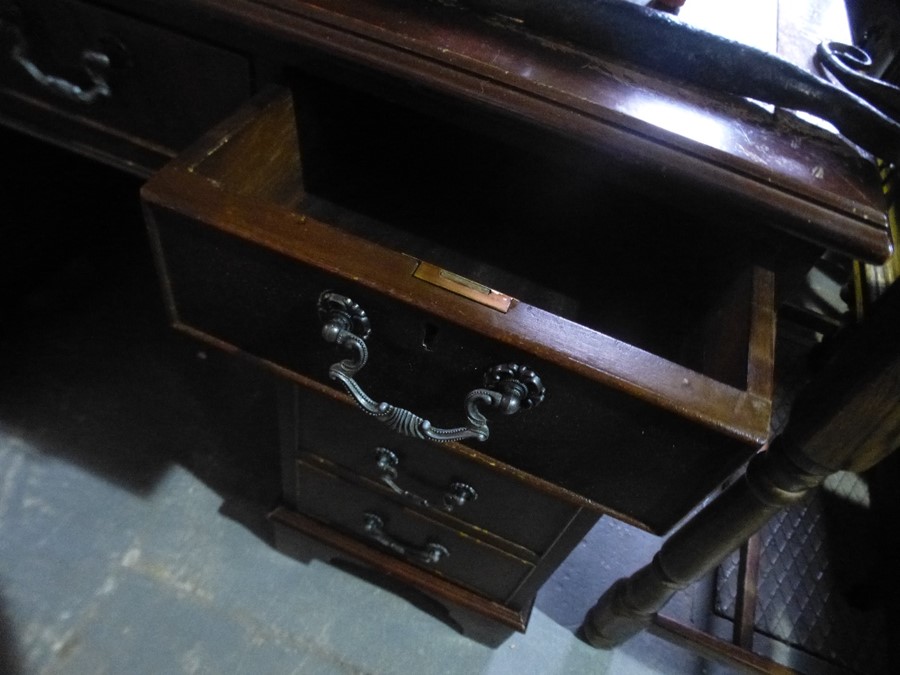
x=795, y=172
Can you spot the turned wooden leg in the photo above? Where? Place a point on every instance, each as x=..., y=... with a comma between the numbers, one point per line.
x=847, y=418
x=772, y=481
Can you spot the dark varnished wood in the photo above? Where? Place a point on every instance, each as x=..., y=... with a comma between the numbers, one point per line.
x=300, y=408
x=337, y=431
x=185, y=188
x=589, y=371
x=694, y=144
x=476, y=616
x=343, y=504
x=645, y=128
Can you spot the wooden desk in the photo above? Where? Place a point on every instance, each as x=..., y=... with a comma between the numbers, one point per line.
x=486, y=198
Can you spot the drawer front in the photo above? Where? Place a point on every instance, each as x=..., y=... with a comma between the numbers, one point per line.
x=407, y=534
x=427, y=474
x=629, y=457
x=129, y=87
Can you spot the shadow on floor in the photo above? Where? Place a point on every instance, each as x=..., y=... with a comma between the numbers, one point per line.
x=9, y=657
x=91, y=370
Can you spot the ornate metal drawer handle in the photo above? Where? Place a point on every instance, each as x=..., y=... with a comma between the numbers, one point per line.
x=387, y=473
x=508, y=387
x=430, y=554
x=456, y=496
x=95, y=65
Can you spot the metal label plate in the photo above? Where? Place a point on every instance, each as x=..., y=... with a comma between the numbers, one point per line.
x=462, y=286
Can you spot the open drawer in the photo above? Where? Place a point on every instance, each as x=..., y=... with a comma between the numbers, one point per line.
x=652, y=337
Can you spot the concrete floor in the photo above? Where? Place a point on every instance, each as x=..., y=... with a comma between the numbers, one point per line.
x=136, y=469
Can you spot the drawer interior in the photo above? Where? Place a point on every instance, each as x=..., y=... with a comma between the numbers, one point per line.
x=522, y=211
x=528, y=214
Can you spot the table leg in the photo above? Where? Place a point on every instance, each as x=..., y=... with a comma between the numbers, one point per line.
x=772, y=481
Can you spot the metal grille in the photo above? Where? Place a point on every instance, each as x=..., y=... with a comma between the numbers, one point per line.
x=817, y=579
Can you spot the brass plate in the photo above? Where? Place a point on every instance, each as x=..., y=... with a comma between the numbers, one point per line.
x=462, y=286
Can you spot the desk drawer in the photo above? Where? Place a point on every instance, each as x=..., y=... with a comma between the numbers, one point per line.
x=111, y=84
x=407, y=533
x=642, y=428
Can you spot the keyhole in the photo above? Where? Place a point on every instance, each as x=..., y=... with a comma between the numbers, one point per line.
x=429, y=334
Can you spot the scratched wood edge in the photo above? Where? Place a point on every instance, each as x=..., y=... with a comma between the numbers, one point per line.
x=291, y=27
x=855, y=228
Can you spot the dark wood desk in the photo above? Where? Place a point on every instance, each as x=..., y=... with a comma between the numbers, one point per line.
x=410, y=159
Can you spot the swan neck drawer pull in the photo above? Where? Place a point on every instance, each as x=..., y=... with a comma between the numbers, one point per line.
x=430, y=554
x=94, y=64
x=386, y=463
x=508, y=388
x=457, y=495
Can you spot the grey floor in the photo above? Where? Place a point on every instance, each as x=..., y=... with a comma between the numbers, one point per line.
x=136, y=469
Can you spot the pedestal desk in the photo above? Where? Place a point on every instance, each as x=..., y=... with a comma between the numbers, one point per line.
x=510, y=286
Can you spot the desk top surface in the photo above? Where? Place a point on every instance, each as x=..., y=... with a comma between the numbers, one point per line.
x=795, y=170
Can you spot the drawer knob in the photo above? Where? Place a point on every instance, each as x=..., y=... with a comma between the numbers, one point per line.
x=508, y=388
x=430, y=554
x=387, y=464
x=94, y=64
